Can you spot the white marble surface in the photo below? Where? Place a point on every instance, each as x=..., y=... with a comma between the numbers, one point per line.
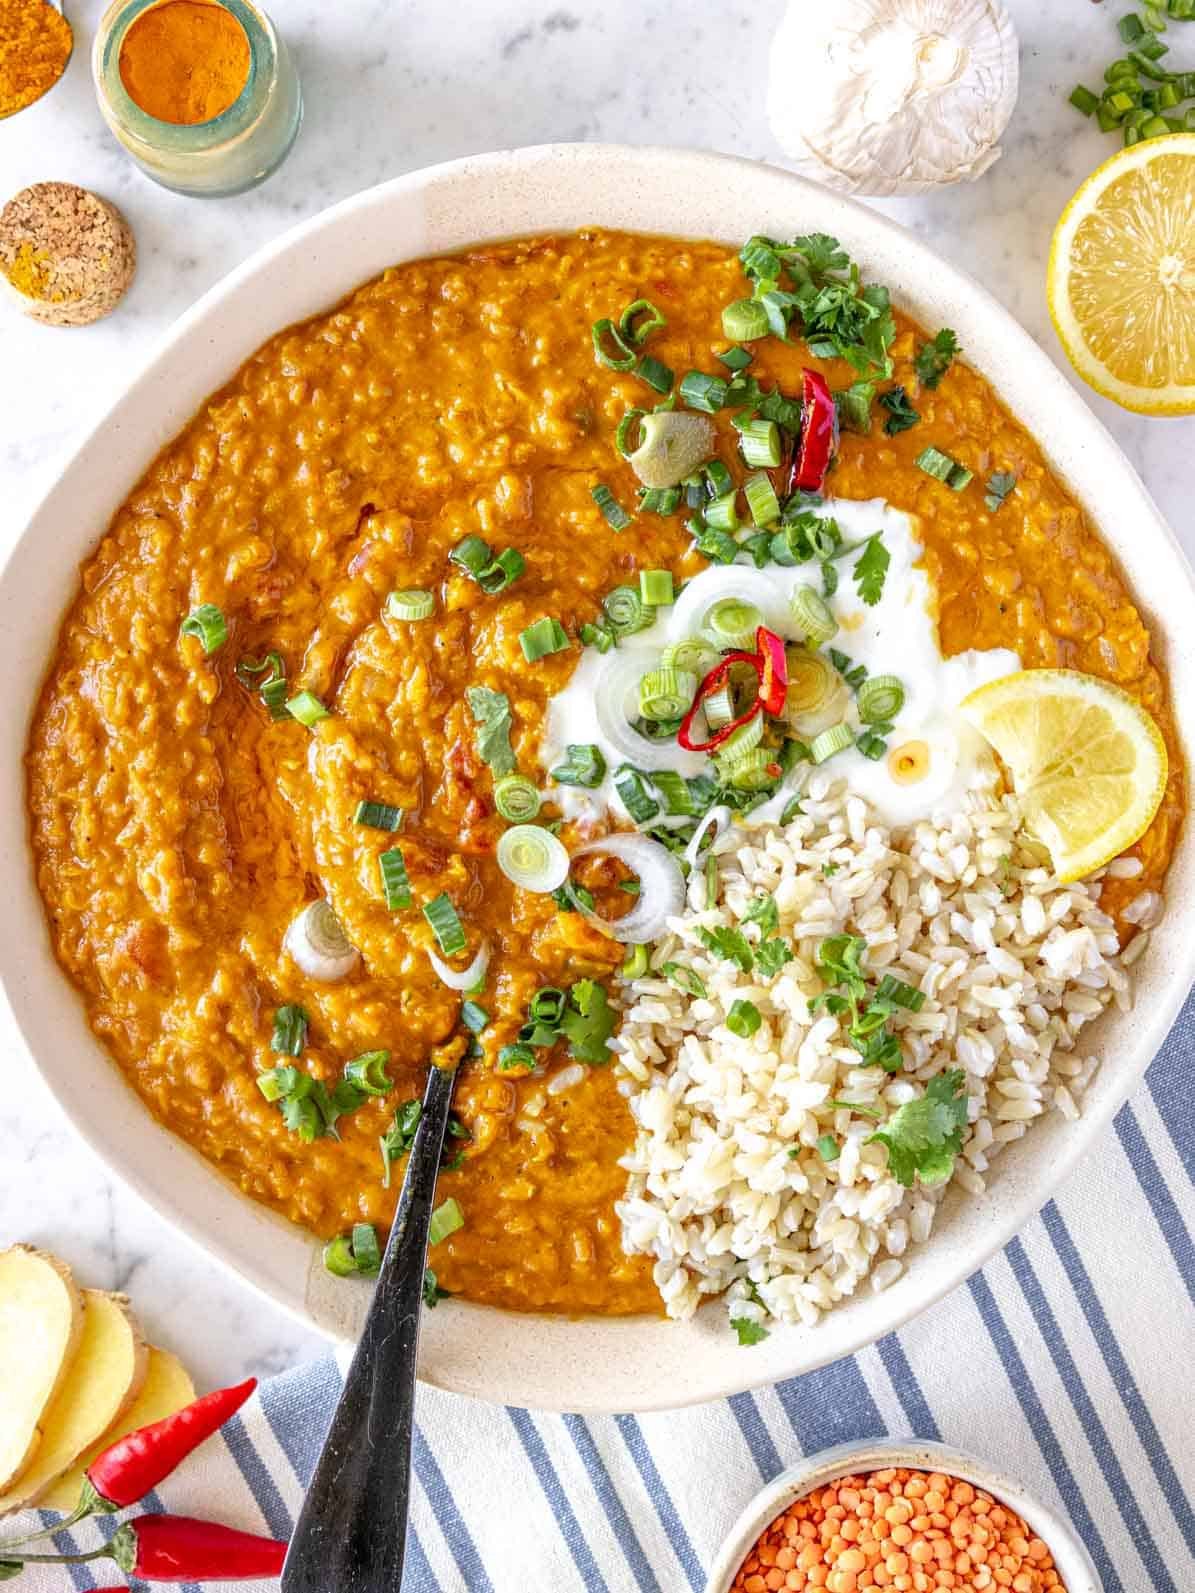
x=390, y=88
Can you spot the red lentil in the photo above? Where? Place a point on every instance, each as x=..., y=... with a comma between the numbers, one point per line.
x=908, y=1531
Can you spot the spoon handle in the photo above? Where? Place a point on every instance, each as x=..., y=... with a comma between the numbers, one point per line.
x=352, y=1530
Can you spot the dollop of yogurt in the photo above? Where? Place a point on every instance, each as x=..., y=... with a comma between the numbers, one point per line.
x=898, y=636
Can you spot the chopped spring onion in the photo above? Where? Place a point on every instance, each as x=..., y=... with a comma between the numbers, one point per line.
x=813, y=684
x=626, y=426
x=378, y=816
x=812, y=614
x=692, y=654
x=446, y=1219
x=754, y=771
x=543, y=637
x=272, y=690
x=760, y=444
x=441, y=915
x=338, y=1258
x=532, y=858
x=516, y=798
x=583, y=765
x=722, y=514
x=743, y=1019
x=677, y=793
x=655, y=588
x=1000, y=484
x=396, y=888
x=740, y=742
x=610, y=348
x=706, y=393
x=871, y=745
x=635, y=794
x=745, y=320
x=411, y=603
x=493, y=575
x=666, y=693
x=718, y=708
x=307, y=709
x=761, y=499
x=368, y=1072
x=659, y=500
x=318, y=943
x=672, y=446
x=684, y=979
x=829, y=742
x=599, y=636
x=879, y=698
x=719, y=480
x=625, y=611
x=290, y=1031
x=655, y=373
x=636, y=963
x=639, y=320
x=208, y=624
x=731, y=622
x=367, y=1254
x=828, y=1148
x=943, y=468
x=474, y=1017
x=736, y=358
x=616, y=516
x=513, y=1058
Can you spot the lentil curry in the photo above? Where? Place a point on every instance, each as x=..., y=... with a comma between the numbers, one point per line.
x=178, y=827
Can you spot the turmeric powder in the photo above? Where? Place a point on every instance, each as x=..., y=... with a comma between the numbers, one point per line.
x=184, y=61
x=35, y=45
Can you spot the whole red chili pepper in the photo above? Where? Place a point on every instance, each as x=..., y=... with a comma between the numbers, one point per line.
x=134, y=1465
x=819, y=434
x=159, y=1548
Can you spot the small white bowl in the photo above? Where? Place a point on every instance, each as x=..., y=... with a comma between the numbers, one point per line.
x=1071, y=1559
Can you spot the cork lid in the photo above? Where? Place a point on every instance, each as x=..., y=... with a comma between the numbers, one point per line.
x=66, y=255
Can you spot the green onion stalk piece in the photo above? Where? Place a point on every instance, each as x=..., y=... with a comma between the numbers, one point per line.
x=732, y=622
x=812, y=613
x=516, y=798
x=411, y=603
x=880, y=698
x=824, y=746
x=666, y=693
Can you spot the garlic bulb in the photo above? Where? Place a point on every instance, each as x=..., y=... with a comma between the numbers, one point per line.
x=892, y=96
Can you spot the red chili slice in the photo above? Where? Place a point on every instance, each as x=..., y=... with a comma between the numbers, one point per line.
x=819, y=434
x=773, y=678
x=712, y=682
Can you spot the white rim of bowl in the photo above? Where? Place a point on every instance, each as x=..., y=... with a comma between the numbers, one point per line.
x=1071, y=1559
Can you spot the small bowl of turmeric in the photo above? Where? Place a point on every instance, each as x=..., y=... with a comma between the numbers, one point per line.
x=899, y=1517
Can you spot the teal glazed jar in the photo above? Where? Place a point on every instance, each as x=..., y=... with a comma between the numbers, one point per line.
x=233, y=151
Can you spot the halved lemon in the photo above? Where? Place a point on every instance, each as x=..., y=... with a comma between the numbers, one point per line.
x=1121, y=278
x=1087, y=762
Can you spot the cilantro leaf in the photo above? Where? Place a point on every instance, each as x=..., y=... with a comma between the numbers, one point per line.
x=933, y=358
x=771, y=956
x=819, y=252
x=924, y=1136
x=764, y=912
x=901, y=414
x=492, y=716
x=999, y=487
x=749, y=1332
x=588, y=1022
x=730, y=944
x=840, y=959
x=871, y=568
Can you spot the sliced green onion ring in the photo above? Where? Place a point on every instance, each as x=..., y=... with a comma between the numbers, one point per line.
x=744, y=321
x=759, y=441
x=723, y=512
x=545, y=636
x=626, y=426
x=446, y=926
x=396, y=887
x=607, y=338
x=655, y=588
x=754, y=771
x=307, y=709
x=825, y=745
x=517, y=798
x=446, y=1219
x=741, y=742
x=616, y=517
x=533, y=858
x=731, y=622
x=625, y=611
x=639, y=320
x=378, y=816
x=411, y=603
x=208, y=624
x=583, y=765
x=718, y=708
x=761, y=499
x=692, y=654
x=368, y=1072
x=812, y=614
x=667, y=693
x=879, y=698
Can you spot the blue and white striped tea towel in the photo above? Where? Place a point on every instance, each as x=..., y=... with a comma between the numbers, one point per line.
x=1068, y=1359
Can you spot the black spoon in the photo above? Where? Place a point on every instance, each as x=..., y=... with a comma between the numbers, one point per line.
x=352, y=1530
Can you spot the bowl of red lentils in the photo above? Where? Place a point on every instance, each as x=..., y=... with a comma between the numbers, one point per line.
x=899, y=1517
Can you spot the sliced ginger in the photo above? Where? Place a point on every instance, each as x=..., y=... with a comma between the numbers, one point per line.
x=41, y=1323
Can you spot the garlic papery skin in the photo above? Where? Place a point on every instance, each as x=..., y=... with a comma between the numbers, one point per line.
x=892, y=96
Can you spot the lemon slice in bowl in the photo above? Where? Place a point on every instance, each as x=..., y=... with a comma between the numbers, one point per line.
x=1121, y=277
x=1087, y=762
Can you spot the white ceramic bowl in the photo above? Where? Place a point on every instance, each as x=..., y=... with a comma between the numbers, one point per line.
x=1071, y=1559
x=593, y=1365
